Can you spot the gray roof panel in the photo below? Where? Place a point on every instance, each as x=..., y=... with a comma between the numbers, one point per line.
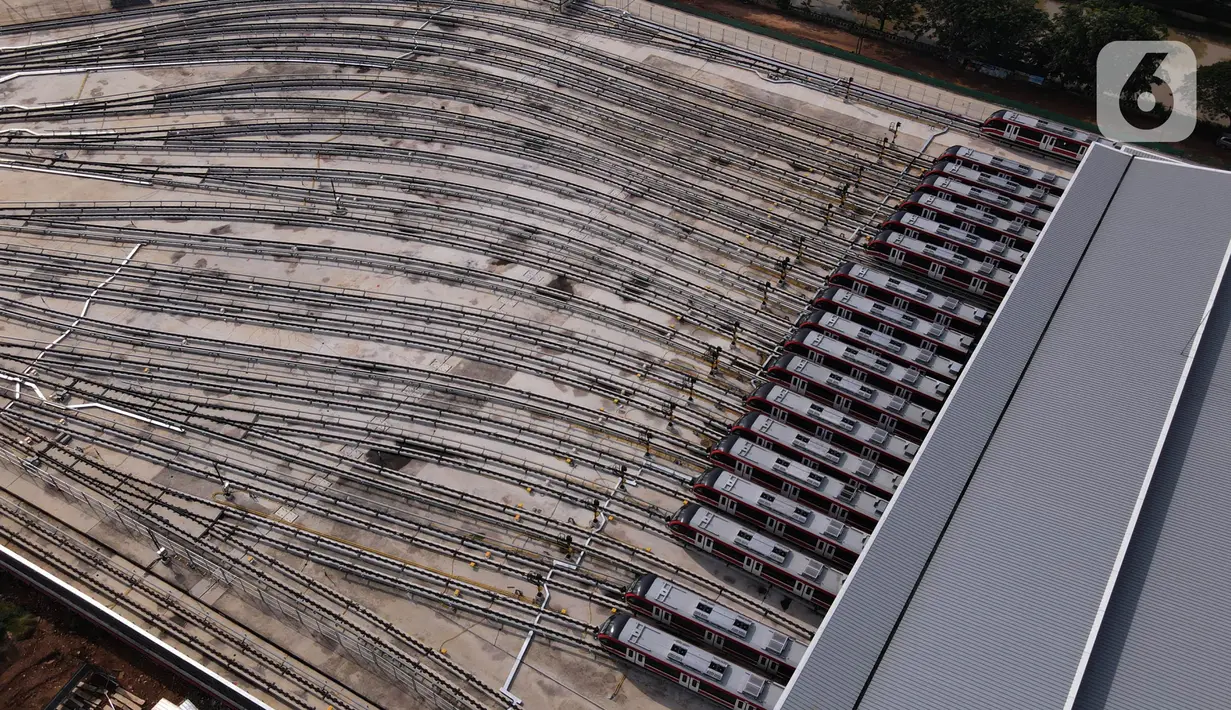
x=1163, y=638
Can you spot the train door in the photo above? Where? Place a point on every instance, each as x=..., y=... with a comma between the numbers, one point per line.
x=743, y=705
x=727, y=503
x=1081, y=150
x=790, y=491
x=1011, y=131
x=928, y=213
x=775, y=526
x=797, y=383
x=1048, y=143
x=803, y=589
x=842, y=404
x=768, y=664
x=887, y=422
x=897, y=256
x=826, y=550
x=713, y=639
x=689, y=682
x=635, y=656
x=704, y=542
x=661, y=614
x=837, y=512
x=936, y=271
x=743, y=469
x=781, y=414
x=978, y=286
x=753, y=566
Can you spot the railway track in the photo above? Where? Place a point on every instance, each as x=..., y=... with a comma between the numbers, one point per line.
x=536, y=210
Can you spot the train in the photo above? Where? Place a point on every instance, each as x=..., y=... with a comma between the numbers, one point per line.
x=828, y=537
x=758, y=555
x=934, y=228
x=944, y=265
x=993, y=202
x=699, y=671
x=980, y=222
x=849, y=394
x=697, y=618
x=839, y=499
x=1020, y=173
x=906, y=382
x=895, y=349
x=1040, y=134
x=929, y=335
x=910, y=296
x=872, y=442
x=814, y=452
x=997, y=183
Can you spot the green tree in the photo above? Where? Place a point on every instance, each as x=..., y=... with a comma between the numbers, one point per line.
x=1082, y=29
x=996, y=31
x=1214, y=90
x=895, y=11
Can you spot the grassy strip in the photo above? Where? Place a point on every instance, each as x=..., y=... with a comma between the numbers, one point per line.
x=891, y=69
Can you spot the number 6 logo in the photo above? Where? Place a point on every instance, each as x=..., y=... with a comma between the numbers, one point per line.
x=1141, y=73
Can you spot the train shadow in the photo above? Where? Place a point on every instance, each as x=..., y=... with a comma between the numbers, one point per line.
x=738, y=580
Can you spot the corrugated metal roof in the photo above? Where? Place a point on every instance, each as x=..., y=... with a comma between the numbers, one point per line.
x=845, y=650
x=1003, y=613
x=1163, y=642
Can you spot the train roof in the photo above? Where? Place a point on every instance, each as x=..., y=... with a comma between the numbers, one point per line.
x=948, y=257
x=991, y=197
x=928, y=360
x=801, y=516
x=651, y=641
x=996, y=182
x=685, y=602
x=1006, y=165
x=901, y=321
x=853, y=388
x=856, y=468
x=905, y=376
x=1017, y=228
x=766, y=548
x=1043, y=124
x=863, y=501
x=985, y=247
x=870, y=434
x=912, y=291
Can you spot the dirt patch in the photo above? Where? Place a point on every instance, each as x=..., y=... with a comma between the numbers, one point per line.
x=33, y=670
